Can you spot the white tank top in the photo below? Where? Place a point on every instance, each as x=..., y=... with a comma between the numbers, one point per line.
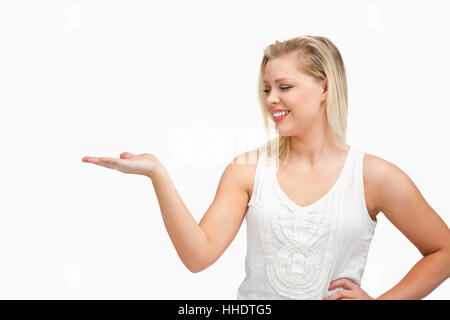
x=295, y=252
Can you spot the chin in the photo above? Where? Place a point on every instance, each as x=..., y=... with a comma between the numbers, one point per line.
x=284, y=133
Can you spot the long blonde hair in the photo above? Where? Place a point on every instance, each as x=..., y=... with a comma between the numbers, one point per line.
x=319, y=58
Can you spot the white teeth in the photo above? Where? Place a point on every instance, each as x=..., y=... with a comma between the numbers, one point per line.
x=282, y=113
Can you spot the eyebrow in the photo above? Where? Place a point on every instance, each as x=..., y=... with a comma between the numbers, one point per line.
x=280, y=79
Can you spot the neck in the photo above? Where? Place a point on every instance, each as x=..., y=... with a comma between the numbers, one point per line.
x=314, y=148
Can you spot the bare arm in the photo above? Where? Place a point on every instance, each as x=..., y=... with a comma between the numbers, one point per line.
x=402, y=203
x=188, y=238
x=197, y=244
x=200, y=245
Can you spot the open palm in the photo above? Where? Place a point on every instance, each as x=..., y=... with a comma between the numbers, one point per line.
x=144, y=163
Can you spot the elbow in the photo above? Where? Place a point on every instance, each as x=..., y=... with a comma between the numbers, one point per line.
x=195, y=270
x=195, y=267
x=198, y=263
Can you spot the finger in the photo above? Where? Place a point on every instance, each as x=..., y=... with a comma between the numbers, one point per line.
x=127, y=155
x=90, y=159
x=343, y=282
x=338, y=295
x=111, y=163
x=106, y=162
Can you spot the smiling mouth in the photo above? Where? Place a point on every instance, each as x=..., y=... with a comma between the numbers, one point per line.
x=280, y=115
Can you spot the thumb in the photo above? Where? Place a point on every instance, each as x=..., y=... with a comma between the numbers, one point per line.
x=127, y=155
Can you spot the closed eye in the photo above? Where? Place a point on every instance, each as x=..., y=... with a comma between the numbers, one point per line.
x=282, y=88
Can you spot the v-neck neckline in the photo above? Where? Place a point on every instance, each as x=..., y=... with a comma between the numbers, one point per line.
x=294, y=205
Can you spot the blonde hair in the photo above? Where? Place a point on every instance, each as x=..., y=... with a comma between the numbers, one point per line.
x=319, y=58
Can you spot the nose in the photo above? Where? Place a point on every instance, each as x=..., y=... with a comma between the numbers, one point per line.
x=272, y=99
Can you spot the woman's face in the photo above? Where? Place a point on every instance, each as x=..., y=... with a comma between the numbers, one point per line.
x=296, y=92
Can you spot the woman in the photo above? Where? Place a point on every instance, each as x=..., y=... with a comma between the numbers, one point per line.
x=310, y=200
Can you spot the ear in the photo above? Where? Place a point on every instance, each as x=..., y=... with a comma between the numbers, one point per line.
x=324, y=85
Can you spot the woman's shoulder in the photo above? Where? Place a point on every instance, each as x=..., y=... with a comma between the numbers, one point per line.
x=377, y=174
x=247, y=159
x=376, y=167
x=245, y=163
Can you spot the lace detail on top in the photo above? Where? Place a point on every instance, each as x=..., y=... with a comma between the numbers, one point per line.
x=300, y=244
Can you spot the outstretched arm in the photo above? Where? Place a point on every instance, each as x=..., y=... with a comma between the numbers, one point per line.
x=197, y=244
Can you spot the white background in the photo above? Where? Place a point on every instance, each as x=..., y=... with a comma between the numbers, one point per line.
x=97, y=78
